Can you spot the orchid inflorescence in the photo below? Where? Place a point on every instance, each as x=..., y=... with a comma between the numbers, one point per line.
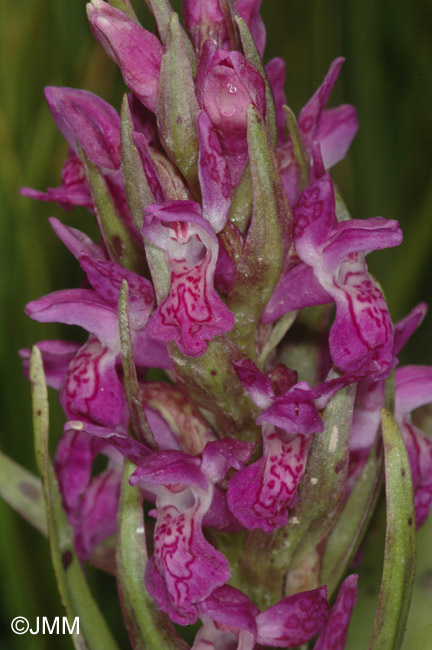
x=228, y=261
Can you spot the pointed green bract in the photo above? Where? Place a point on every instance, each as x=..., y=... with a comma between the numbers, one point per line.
x=299, y=150
x=400, y=545
x=268, y=239
x=117, y=239
x=139, y=196
x=138, y=192
x=140, y=426
x=242, y=200
x=148, y=628
x=177, y=107
x=162, y=12
x=349, y=529
x=253, y=56
x=74, y=591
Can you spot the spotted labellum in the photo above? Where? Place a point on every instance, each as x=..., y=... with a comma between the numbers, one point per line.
x=214, y=452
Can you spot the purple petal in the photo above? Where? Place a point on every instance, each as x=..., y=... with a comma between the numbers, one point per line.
x=419, y=448
x=296, y=289
x=56, y=357
x=137, y=52
x=149, y=167
x=214, y=175
x=335, y=631
x=73, y=190
x=192, y=313
x=336, y=130
x=294, y=412
x=275, y=69
x=219, y=515
x=76, y=241
x=315, y=219
x=98, y=512
x=355, y=235
x=406, y=327
x=259, y=495
x=256, y=383
x=84, y=117
x=311, y=112
x=361, y=337
x=294, y=620
x=231, y=608
x=81, y=307
x=73, y=464
x=106, y=278
x=221, y=455
x=225, y=269
x=191, y=568
x=413, y=388
x=115, y=439
x=170, y=467
x=91, y=387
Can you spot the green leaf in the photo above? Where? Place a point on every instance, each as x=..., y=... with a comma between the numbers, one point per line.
x=139, y=423
x=177, y=107
x=74, y=591
x=149, y=629
x=400, y=545
x=22, y=490
x=117, y=239
x=266, y=246
x=253, y=56
x=348, y=532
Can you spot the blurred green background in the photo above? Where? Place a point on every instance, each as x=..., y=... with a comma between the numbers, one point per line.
x=387, y=76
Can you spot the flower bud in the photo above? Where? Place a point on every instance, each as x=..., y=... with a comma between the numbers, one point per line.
x=227, y=84
x=137, y=52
